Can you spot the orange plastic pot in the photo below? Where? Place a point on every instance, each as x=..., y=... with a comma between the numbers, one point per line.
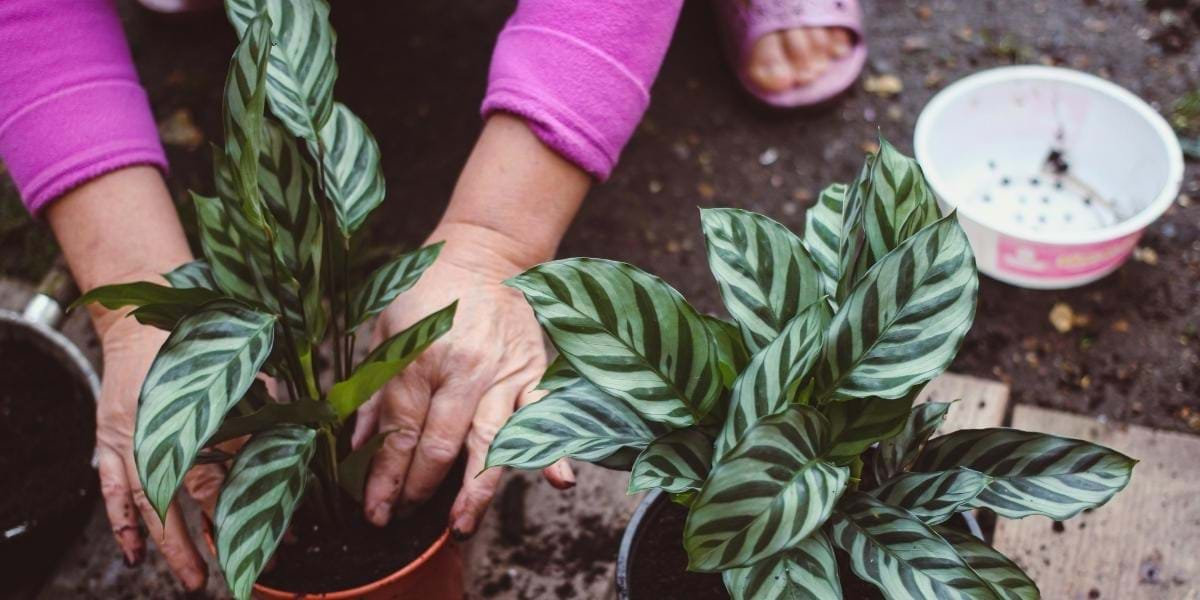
x=437, y=574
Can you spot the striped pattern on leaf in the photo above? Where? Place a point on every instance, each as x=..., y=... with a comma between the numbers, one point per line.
x=676, y=462
x=264, y=486
x=245, y=100
x=933, y=497
x=207, y=363
x=822, y=234
x=902, y=556
x=558, y=374
x=905, y=321
x=765, y=386
x=302, y=66
x=852, y=239
x=857, y=423
x=900, y=203
x=732, y=355
x=807, y=572
x=1006, y=578
x=389, y=281
x=1032, y=473
x=629, y=333
x=195, y=274
x=897, y=454
x=351, y=171
x=578, y=421
x=222, y=246
x=766, y=495
x=765, y=274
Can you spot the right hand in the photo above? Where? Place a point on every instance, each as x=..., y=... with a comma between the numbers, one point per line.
x=129, y=348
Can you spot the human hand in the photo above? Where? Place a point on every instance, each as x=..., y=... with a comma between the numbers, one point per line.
x=463, y=388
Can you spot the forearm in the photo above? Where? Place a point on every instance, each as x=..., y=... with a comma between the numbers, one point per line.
x=515, y=197
x=116, y=228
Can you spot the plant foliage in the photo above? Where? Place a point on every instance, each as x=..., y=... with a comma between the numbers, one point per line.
x=794, y=429
x=297, y=176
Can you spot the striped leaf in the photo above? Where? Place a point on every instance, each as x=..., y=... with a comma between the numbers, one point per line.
x=933, y=497
x=222, y=248
x=900, y=202
x=1032, y=473
x=389, y=281
x=902, y=556
x=558, y=374
x=351, y=171
x=629, y=333
x=195, y=274
x=856, y=424
x=765, y=386
x=387, y=360
x=676, y=462
x=766, y=495
x=141, y=293
x=207, y=363
x=578, y=421
x=852, y=239
x=897, y=454
x=1005, y=577
x=302, y=66
x=765, y=274
x=245, y=100
x=822, y=234
x=905, y=320
x=264, y=486
x=732, y=355
x=807, y=572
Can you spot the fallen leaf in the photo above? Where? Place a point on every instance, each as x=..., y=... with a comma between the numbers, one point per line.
x=1062, y=317
x=1120, y=326
x=1145, y=255
x=178, y=129
x=706, y=191
x=884, y=86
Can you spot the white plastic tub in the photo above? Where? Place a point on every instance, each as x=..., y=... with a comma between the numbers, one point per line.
x=1054, y=173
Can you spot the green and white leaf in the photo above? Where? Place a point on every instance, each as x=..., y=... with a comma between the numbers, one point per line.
x=765, y=386
x=195, y=274
x=258, y=498
x=207, y=363
x=142, y=293
x=905, y=320
x=387, y=360
x=221, y=242
x=1032, y=473
x=245, y=100
x=389, y=281
x=558, y=374
x=732, y=355
x=351, y=171
x=900, y=202
x=766, y=495
x=765, y=274
x=822, y=235
x=272, y=414
x=897, y=454
x=852, y=239
x=676, y=462
x=302, y=65
x=905, y=558
x=630, y=334
x=857, y=423
x=933, y=497
x=352, y=471
x=578, y=421
x=1005, y=577
x=807, y=572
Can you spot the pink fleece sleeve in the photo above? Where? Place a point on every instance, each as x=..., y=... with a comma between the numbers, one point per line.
x=579, y=72
x=71, y=107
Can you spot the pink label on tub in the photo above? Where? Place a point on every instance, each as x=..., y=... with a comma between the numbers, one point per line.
x=1032, y=259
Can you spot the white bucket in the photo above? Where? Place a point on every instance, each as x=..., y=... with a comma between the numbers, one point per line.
x=1055, y=173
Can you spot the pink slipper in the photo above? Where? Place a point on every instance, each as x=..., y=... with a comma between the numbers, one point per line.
x=745, y=21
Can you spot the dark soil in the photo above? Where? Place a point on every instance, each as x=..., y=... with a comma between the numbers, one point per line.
x=323, y=559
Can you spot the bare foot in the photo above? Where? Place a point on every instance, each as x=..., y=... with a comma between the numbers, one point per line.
x=792, y=58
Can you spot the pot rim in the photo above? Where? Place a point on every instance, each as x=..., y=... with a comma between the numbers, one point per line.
x=629, y=539
x=1151, y=211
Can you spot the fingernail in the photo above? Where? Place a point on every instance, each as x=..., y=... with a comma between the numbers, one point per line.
x=379, y=514
x=193, y=580
x=463, y=528
x=568, y=476
x=133, y=558
x=779, y=71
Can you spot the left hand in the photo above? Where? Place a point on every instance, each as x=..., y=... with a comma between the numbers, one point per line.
x=462, y=389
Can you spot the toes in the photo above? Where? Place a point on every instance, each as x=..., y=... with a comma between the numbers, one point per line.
x=802, y=52
x=768, y=66
x=839, y=42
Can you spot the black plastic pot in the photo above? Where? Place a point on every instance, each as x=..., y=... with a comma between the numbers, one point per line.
x=646, y=510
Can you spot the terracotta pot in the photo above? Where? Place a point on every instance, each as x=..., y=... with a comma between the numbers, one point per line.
x=437, y=574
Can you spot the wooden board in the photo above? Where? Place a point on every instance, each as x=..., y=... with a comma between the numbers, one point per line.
x=1143, y=545
x=538, y=558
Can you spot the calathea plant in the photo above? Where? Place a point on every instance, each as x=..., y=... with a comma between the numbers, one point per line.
x=293, y=185
x=792, y=430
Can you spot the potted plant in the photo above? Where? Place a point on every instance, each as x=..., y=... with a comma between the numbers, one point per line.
x=788, y=439
x=293, y=186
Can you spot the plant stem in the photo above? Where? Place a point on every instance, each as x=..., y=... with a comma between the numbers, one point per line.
x=291, y=347
x=856, y=469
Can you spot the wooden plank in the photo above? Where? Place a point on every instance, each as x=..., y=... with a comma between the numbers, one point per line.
x=537, y=557
x=1143, y=545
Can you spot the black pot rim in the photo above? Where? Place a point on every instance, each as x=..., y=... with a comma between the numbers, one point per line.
x=641, y=517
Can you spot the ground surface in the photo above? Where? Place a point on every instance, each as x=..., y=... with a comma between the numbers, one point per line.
x=415, y=73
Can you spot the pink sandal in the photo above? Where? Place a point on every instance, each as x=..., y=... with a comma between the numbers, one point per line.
x=745, y=21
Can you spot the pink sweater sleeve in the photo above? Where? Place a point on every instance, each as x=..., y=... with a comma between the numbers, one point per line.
x=580, y=71
x=71, y=107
